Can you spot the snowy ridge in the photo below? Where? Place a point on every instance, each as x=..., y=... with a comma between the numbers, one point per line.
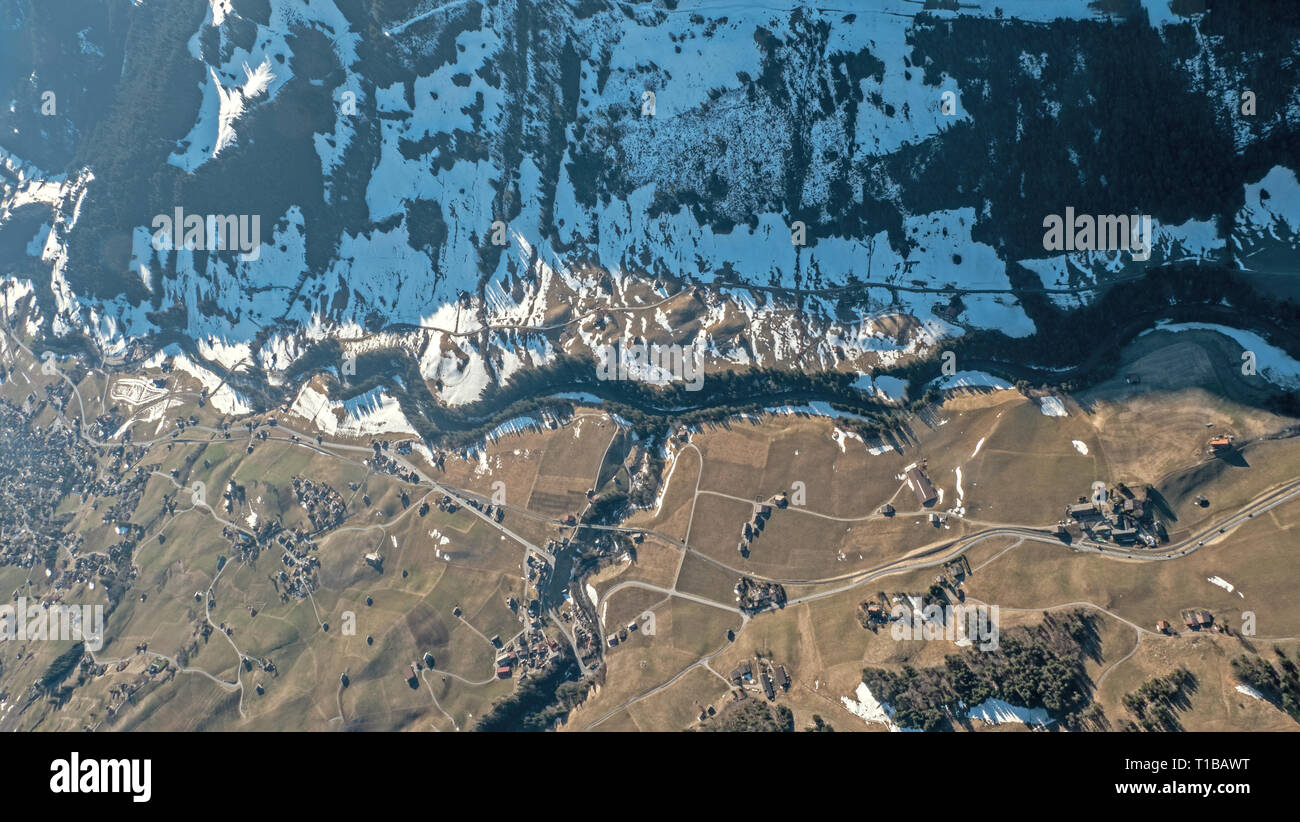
x=595, y=204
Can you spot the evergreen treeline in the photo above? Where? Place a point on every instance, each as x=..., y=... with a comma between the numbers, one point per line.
x=751, y=716
x=62, y=666
x=1131, y=130
x=649, y=409
x=1156, y=704
x=1039, y=667
x=819, y=725
x=1088, y=340
x=1280, y=687
x=539, y=701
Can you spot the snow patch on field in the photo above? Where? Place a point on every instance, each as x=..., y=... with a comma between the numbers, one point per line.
x=1158, y=12
x=1225, y=585
x=374, y=412
x=997, y=712
x=463, y=380
x=868, y=709
x=1067, y=275
x=842, y=437
x=1250, y=692
x=815, y=408
x=38, y=241
x=1272, y=207
x=220, y=8
x=969, y=379
x=1052, y=407
x=578, y=396
x=135, y=391
x=223, y=398
x=226, y=355
x=157, y=412
x=892, y=388
x=515, y=425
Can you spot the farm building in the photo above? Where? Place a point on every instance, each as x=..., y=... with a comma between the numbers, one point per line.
x=920, y=485
x=1083, y=512
x=1221, y=446
x=782, y=678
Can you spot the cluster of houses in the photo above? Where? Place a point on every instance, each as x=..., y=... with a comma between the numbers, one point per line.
x=1118, y=516
x=591, y=548
x=105, y=426
x=758, y=520
x=872, y=613
x=1198, y=619
x=85, y=568
x=297, y=578
x=448, y=505
x=770, y=677
x=538, y=572
x=532, y=650
x=586, y=633
x=384, y=464
x=495, y=511
x=622, y=634
x=585, y=629
x=324, y=506
x=755, y=596
x=585, y=640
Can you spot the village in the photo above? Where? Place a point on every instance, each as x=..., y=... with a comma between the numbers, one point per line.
x=31, y=529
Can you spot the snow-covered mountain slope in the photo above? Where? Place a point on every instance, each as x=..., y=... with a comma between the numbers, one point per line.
x=484, y=186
